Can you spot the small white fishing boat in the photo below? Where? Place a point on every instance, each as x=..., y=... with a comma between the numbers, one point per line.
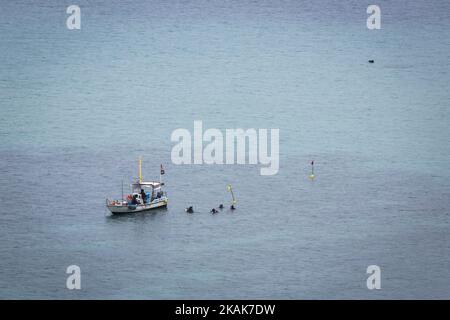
x=145, y=195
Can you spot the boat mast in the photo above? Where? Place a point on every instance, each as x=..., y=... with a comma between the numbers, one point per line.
x=161, y=172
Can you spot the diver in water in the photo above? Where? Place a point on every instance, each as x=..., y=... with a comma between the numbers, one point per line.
x=214, y=210
x=221, y=206
x=190, y=209
x=232, y=207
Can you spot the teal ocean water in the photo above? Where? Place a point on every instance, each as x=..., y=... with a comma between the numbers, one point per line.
x=78, y=107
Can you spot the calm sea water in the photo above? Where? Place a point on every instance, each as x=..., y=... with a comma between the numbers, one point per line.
x=79, y=107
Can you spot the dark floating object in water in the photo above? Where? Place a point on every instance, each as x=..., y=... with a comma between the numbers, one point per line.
x=213, y=210
x=371, y=61
x=232, y=207
x=190, y=210
x=221, y=206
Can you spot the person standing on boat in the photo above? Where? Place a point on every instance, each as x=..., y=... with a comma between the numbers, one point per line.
x=143, y=195
x=135, y=200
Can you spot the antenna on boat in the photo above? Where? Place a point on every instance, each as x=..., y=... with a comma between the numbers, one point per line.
x=230, y=189
x=140, y=169
x=122, y=189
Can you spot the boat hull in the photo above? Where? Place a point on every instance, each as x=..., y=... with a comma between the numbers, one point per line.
x=121, y=209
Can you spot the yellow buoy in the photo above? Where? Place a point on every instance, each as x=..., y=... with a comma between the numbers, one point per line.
x=312, y=176
x=230, y=189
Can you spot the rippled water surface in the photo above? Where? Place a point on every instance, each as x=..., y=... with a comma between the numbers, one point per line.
x=79, y=107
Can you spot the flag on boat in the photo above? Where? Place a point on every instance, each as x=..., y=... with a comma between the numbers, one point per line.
x=162, y=169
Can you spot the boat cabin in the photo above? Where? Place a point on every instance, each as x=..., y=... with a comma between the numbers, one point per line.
x=152, y=191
